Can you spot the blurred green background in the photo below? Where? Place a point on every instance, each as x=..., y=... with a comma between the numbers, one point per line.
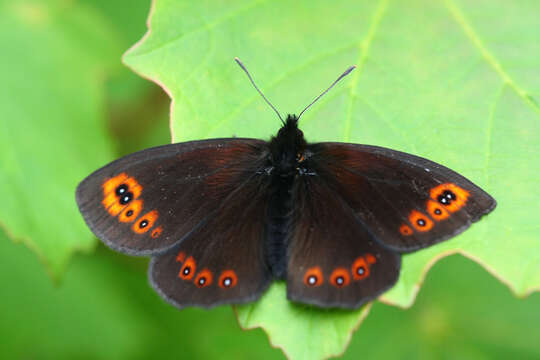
x=64, y=57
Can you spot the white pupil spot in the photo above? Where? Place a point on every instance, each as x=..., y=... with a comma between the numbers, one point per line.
x=227, y=282
x=312, y=280
x=186, y=271
x=202, y=281
x=360, y=271
x=339, y=280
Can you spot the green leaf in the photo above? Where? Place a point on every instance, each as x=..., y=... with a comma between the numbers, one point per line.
x=299, y=330
x=54, y=58
x=103, y=308
x=436, y=79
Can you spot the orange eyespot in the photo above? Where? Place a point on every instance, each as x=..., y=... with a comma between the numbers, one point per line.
x=204, y=278
x=340, y=277
x=227, y=279
x=112, y=204
x=360, y=268
x=405, y=230
x=131, y=211
x=450, y=196
x=436, y=210
x=420, y=221
x=134, y=187
x=370, y=258
x=188, y=269
x=110, y=185
x=145, y=222
x=313, y=276
x=118, y=192
x=181, y=257
x=156, y=232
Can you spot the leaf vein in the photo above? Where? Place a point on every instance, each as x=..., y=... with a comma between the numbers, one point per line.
x=363, y=50
x=471, y=34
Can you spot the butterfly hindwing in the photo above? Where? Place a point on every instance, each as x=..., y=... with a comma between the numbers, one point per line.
x=148, y=201
x=332, y=260
x=406, y=202
x=224, y=260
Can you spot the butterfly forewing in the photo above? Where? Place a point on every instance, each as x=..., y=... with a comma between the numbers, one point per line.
x=406, y=202
x=333, y=261
x=222, y=261
x=146, y=202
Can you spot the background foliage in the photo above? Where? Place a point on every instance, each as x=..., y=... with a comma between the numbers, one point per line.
x=427, y=71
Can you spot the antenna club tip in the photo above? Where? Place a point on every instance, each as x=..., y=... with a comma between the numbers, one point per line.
x=351, y=68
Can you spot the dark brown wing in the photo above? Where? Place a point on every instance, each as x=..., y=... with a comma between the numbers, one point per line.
x=332, y=260
x=404, y=201
x=148, y=201
x=224, y=260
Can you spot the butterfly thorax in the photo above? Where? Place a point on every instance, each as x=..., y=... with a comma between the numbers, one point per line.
x=287, y=148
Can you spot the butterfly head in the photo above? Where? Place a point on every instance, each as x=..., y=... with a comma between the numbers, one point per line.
x=287, y=148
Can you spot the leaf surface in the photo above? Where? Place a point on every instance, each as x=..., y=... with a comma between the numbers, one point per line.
x=436, y=79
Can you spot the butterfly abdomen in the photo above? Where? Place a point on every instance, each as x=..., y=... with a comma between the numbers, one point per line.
x=278, y=224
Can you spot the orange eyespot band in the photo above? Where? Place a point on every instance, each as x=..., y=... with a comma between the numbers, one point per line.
x=156, y=232
x=134, y=187
x=227, y=279
x=370, y=259
x=188, y=269
x=360, y=269
x=204, y=278
x=110, y=185
x=420, y=221
x=112, y=200
x=436, y=211
x=340, y=277
x=313, y=276
x=112, y=204
x=405, y=230
x=449, y=195
x=131, y=211
x=145, y=222
x=181, y=257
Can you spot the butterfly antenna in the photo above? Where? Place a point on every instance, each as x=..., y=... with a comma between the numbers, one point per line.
x=351, y=68
x=256, y=88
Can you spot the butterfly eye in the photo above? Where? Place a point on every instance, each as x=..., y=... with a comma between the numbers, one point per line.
x=228, y=279
x=300, y=157
x=313, y=276
x=204, y=278
x=340, y=277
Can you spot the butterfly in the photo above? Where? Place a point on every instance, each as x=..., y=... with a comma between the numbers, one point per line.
x=223, y=218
